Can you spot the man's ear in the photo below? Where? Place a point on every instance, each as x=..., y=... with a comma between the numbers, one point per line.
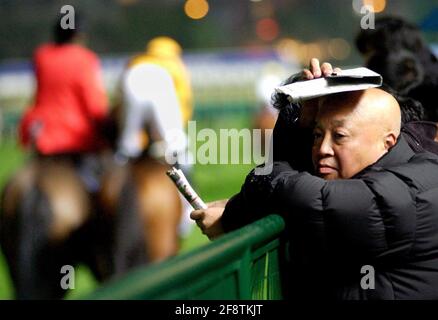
x=390, y=140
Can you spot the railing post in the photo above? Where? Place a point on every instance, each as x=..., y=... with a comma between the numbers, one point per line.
x=244, y=275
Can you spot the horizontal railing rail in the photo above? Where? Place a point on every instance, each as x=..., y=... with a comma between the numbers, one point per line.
x=243, y=264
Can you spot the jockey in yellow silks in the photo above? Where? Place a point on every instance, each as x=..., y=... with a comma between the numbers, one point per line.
x=154, y=85
x=166, y=52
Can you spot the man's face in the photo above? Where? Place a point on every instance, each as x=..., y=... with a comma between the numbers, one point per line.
x=345, y=142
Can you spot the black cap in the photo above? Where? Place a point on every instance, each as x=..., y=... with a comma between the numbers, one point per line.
x=63, y=34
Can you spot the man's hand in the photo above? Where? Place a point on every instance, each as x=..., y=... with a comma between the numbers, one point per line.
x=209, y=220
x=316, y=71
x=310, y=107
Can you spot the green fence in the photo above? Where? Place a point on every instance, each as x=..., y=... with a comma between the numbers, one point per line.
x=244, y=264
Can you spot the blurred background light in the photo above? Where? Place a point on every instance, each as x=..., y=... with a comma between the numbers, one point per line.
x=339, y=49
x=267, y=29
x=287, y=49
x=196, y=9
x=376, y=5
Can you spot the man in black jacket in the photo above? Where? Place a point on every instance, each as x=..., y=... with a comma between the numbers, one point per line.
x=373, y=202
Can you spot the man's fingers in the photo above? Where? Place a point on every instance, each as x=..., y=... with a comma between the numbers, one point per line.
x=208, y=220
x=314, y=67
x=326, y=69
x=307, y=75
x=196, y=214
x=316, y=71
x=200, y=221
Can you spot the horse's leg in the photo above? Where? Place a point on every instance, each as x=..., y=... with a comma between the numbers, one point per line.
x=159, y=208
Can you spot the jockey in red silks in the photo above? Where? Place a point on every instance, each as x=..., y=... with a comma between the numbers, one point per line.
x=71, y=105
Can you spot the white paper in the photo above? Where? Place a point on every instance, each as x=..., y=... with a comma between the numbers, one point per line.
x=186, y=189
x=346, y=80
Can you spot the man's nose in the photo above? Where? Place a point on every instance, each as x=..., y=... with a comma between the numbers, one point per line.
x=325, y=148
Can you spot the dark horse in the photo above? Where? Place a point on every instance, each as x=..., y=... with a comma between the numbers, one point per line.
x=49, y=218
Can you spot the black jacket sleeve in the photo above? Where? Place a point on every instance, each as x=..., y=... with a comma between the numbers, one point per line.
x=254, y=199
x=291, y=144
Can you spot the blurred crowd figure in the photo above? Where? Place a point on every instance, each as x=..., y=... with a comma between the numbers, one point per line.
x=397, y=50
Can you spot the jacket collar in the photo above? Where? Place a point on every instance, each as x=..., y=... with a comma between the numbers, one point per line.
x=400, y=153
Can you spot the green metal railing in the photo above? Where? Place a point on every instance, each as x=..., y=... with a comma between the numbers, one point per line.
x=243, y=264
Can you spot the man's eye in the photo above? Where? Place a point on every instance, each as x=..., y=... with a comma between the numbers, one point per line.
x=339, y=136
x=317, y=135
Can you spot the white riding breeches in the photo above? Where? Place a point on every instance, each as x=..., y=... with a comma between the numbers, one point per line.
x=150, y=101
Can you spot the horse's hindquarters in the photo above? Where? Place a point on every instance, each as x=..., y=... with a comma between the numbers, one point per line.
x=145, y=210
x=45, y=209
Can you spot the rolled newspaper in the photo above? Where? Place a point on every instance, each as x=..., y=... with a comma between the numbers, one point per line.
x=346, y=80
x=186, y=189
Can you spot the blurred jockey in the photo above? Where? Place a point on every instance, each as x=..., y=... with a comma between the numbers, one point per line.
x=157, y=103
x=70, y=106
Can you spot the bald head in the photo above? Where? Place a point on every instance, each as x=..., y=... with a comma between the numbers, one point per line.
x=374, y=106
x=353, y=131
